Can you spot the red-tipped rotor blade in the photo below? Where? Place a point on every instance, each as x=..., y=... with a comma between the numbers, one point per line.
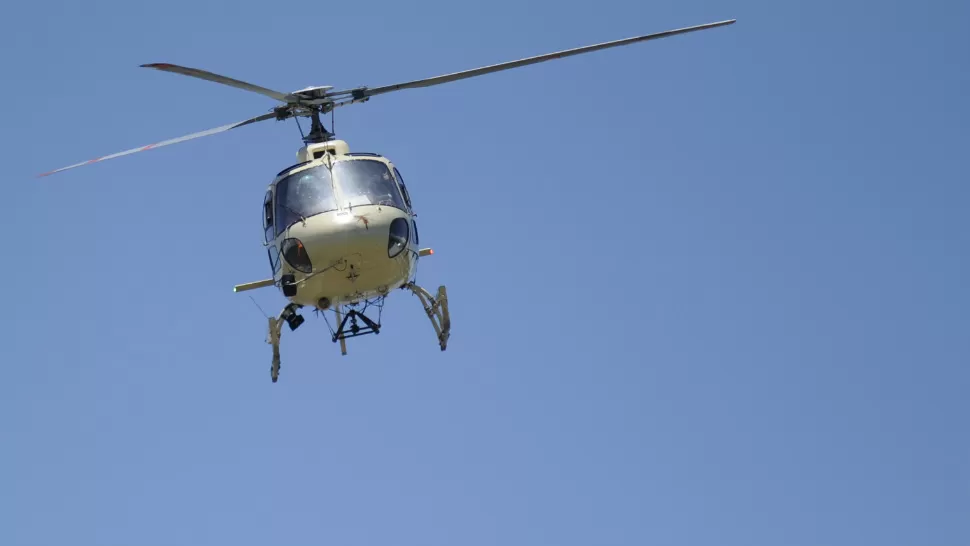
x=166, y=142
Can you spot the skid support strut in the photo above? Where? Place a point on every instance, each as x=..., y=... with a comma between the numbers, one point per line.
x=437, y=310
x=343, y=341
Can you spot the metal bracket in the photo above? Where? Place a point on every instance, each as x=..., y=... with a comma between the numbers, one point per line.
x=343, y=331
x=370, y=326
x=437, y=310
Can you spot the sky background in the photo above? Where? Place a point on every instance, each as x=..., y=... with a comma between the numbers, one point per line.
x=705, y=290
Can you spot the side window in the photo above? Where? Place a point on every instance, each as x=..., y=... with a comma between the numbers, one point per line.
x=404, y=189
x=268, y=216
x=417, y=240
x=274, y=259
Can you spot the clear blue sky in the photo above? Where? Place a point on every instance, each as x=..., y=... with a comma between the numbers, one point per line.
x=706, y=290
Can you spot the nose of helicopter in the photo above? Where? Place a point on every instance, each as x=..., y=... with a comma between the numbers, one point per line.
x=358, y=235
x=349, y=255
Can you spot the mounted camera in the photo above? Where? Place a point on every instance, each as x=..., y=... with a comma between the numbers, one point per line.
x=289, y=314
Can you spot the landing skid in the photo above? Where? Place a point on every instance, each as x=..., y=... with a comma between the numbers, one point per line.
x=275, y=329
x=437, y=311
x=435, y=307
x=293, y=320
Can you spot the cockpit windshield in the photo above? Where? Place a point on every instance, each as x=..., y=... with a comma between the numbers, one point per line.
x=310, y=192
x=367, y=182
x=302, y=195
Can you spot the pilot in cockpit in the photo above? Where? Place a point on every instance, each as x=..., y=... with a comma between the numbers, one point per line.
x=313, y=192
x=379, y=186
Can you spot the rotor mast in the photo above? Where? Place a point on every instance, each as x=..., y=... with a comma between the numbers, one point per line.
x=318, y=133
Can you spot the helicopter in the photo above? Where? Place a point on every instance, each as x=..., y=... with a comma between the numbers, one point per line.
x=339, y=227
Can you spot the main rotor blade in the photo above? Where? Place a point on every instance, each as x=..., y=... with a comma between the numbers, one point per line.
x=202, y=74
x=167, y=142
x=366, y=92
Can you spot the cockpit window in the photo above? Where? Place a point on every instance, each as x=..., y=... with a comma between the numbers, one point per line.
x=404, y=189
x=302, y=195
x=367, y=182
x=268, y=216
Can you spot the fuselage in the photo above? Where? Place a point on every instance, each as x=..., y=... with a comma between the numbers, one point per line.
x=342, y=225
